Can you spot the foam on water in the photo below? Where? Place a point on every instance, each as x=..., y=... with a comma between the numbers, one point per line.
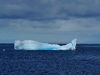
x=35, y=45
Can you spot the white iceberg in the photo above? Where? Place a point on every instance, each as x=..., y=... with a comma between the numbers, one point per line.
x=34, y=45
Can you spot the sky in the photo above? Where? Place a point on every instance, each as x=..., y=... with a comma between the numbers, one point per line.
x=50, y=21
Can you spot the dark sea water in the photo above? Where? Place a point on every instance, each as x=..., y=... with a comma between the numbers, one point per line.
x=85, y=60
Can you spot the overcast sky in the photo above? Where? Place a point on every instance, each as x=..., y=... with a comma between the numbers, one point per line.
x=52, y=21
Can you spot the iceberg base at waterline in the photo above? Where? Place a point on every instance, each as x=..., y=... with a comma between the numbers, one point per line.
x=35, y=45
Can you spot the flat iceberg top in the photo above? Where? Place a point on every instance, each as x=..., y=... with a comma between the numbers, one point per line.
x=35, y=45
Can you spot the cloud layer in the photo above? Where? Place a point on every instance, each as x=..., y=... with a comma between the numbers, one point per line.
x=49, y=9
x=50, y=20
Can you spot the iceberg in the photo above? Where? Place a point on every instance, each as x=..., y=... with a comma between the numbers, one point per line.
x=35, y=45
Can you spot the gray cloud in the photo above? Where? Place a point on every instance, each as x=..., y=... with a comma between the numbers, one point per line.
x=50, y=20
x=49, y=9
x=56, y=26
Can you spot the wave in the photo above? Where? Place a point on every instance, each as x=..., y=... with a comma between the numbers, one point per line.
x=35, y=45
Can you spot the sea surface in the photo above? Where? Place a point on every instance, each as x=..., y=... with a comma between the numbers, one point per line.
x=85, y=60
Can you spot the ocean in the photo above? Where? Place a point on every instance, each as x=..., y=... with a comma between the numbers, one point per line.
x=85, y=60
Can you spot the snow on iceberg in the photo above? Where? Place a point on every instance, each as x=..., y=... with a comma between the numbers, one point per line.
x=34, y=45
